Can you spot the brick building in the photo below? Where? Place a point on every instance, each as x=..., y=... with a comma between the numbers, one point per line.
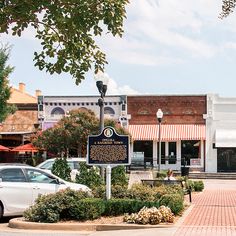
x=182, y=130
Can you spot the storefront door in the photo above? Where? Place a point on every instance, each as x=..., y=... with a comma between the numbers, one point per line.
x=226, y=159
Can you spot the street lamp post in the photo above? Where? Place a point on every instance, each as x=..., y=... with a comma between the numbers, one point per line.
x=101, y=82
x=159, y=118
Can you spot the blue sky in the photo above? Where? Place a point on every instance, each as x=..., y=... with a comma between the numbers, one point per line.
x=168, y=47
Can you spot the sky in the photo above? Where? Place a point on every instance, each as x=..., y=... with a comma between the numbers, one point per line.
x=168, y=47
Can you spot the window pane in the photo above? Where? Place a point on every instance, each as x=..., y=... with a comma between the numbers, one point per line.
x=189, y=149
x=12, y=175
x=172, y=152
x=39, y=177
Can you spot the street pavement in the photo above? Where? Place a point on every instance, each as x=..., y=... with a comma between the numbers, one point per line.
x=212, y=213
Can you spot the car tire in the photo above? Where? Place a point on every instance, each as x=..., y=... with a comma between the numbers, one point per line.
x=1, y=211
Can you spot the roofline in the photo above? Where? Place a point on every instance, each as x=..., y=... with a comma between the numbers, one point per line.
x=23, y=132
x=77, y=96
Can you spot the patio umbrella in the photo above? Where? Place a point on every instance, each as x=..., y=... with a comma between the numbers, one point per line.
x=4, y=149
x=25, y=148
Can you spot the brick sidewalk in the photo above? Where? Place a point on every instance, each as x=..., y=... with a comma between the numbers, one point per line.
x=213, y=213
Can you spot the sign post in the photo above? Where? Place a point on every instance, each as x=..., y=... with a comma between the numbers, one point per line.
x=108, y=182
x=108, y=149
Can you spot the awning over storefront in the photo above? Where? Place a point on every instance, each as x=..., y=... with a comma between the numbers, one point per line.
x=168, y=132
x=225, y=138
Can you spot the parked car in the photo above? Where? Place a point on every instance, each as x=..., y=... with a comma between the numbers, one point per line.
x=72, y=162
x=21, y=184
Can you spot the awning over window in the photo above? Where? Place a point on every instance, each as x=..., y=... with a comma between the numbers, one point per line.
x=168, y=132
x=225, y=138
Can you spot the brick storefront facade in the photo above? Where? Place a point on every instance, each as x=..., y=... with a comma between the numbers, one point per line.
x=176, y=109
x=182, y=130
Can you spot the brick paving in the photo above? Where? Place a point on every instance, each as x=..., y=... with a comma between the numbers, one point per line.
x=213, y=212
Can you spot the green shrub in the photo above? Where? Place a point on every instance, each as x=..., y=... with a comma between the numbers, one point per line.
x=41, y=213
x=167, y=189
x=119, y=191
x=87, y=209
x=89, y=176
x=54, y=207
x=141, y=192
x=99, y=191
x=61, y=169
x=116, y=207
x=198, y=186
x=118, y=176
x=162, y=174
x=174, y=201
x=190, y=184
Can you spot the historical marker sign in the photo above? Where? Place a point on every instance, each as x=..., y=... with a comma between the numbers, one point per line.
x=108, y=148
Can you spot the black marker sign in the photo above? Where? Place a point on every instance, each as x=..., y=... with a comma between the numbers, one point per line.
x=108, y=148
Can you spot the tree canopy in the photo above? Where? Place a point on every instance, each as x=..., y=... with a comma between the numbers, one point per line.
x=227, y=7
x=71, y=133
x=5, y=91
x=66, y=30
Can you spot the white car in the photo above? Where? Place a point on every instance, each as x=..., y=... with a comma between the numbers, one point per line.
x=21, y=184
x=72, y=162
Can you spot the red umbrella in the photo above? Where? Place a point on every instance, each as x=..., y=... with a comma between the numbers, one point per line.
x=25, y=148
x=4, y=149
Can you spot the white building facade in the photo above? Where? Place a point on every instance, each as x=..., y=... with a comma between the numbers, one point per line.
x=52, y=108
x=220, y=134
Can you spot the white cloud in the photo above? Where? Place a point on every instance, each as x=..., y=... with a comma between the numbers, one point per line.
x=114, y=89
x=165, y=32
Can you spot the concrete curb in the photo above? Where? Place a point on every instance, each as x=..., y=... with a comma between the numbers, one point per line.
x=19, y=223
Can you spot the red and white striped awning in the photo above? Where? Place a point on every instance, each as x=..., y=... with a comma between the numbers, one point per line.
x=168, y=132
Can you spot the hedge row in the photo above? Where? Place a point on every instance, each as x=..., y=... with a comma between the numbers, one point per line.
x=74, y=205
x=139, y=192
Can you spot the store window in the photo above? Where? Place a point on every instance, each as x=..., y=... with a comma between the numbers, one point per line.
x=190, y=149
x=145, y=147
x=172, y=152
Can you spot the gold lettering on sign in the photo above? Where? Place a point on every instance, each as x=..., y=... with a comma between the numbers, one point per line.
x=108, y=153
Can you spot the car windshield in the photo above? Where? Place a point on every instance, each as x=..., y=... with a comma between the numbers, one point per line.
x=47, y=165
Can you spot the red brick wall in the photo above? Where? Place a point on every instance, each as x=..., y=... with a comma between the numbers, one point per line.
x=176, y=109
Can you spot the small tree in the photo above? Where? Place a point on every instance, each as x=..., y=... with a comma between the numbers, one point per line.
x=5, y=92
x=89, y=176
x=118, y=176
x=61, y=169
x=71, y=132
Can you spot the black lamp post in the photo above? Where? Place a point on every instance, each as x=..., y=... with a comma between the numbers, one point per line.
x=101, y=82
x=159, y=118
